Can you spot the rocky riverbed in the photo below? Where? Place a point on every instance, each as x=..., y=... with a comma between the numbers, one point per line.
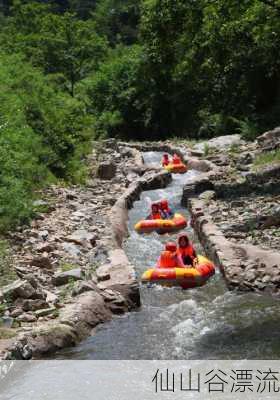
x=71, y=271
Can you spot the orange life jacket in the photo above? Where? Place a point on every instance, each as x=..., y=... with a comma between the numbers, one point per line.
x=156, y=216
x=186, y=251
x=168, y=260
x=176, y=160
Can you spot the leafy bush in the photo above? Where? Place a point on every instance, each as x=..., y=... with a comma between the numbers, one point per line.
x=247, y=128
x=42, y=133
x=215, y=124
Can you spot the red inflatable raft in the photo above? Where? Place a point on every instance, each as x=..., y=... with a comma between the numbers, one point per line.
x=187, y=277
x=162, y=225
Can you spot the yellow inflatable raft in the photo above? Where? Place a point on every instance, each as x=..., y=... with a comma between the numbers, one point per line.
x=175, y=224
x=187, y=278
x=176, y=168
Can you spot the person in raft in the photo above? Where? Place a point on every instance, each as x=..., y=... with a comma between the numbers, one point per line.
x=166, y=210
x=169, y=257
x=165, y=160
x=155, y=212
x=176, y=159
x=186, y=250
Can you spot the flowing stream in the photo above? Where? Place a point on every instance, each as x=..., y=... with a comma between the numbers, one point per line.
x=204, y=323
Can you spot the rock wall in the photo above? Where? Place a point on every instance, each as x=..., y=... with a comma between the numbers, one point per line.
x=119, y=214
x=244, y=267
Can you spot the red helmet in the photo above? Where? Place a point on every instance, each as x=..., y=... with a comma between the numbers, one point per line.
x=170, y=246
x=165, y=155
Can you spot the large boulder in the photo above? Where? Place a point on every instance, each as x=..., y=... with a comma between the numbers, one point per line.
x=71, y=249
x=103, y=272
x=18, y=289
x=106, y=170
x=200, y=165
x=88, y=311
x=270, y=140
x=41, y=262
x=220, y=143
x=34, y=305
x=82, y=237
x=62, y=278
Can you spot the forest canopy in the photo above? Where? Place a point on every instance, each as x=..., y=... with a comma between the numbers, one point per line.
x=73, y=71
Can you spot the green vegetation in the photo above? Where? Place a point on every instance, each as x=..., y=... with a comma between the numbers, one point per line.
x=74, y=71
x=268, y=158
x=67, y=267
x=7, y=274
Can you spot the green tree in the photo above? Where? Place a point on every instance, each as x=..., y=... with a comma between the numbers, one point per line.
x=116, y=95
x=60, y=44
x=118, y=20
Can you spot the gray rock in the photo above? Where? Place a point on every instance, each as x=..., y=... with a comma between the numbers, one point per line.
x=7, y=322
x=237, y=203
x=82, y=287
x=106, y=170
x=221, y=142
x=45, y=247
x=246, y=158
x=71, y=249
x=77, y=215
x=19, y=288
x=16, y=312
x=103, y=272
x=38, y=203
x=208, y=195
x=41, y=262
x=43, y=234
x=27, y=317
x=51, y=298
x=26, y=352
x=110, y=144
x=45, y=312
x=62, y=278
x=243, y=168
x=33, y=305
x=82, y=237
x=270, y=140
